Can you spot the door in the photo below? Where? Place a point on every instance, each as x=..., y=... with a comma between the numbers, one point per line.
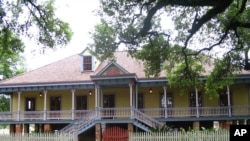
x=108, y=105
x=224, y=103
x=140, y=102
x=192, y=99
x=166, y=103
x=30, y=105
x=81, y=106
x=55, y=107
x=115, y=133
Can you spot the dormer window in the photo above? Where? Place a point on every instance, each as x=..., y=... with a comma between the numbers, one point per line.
x=87, y=63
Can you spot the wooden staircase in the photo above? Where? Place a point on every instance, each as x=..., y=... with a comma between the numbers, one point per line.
x=141, y=120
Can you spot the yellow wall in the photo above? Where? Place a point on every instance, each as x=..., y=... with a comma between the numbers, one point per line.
x=151, y=100
x=122, y=96
x=240, y=97
x=66, y=99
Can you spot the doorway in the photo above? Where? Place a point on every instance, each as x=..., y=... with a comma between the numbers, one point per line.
x=30, y=105
x=81, y=106
x=108, y=105
x=55, y=107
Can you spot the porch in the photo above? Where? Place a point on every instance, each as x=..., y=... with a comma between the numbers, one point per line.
x=119, y=113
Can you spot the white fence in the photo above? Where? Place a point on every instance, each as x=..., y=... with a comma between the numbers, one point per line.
x=219, y=135
x=37, y=137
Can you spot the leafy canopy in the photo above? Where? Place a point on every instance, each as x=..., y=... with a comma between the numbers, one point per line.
x=216, y=29
x=28, y=18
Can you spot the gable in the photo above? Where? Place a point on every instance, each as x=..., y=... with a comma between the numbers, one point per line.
x=112, y=68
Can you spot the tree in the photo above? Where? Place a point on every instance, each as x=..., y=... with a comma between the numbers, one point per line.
x=33, y=19
x=209, y=32
x=4, y=103
x=10, y=55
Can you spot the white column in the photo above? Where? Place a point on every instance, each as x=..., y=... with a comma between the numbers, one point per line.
x=73, y=104
x=10, y=103
x=131, y=94
x=165, y=101
x=131, y=99
x=97, y=102
x=96, y=96
x=197, y=102
x=45, y=104
x=18, y=104
x=100, y=97
x=229, y=101
x=136, y=96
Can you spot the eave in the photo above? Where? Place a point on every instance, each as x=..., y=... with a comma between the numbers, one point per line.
x=45, y=86
x=145, y=82
x=108, y=80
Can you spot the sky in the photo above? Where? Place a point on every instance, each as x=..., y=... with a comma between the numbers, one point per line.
x=79, y=14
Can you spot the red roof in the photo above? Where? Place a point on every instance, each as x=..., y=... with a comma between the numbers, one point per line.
x=68, y=70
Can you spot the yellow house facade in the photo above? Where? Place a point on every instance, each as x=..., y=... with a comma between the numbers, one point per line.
x=82, y=94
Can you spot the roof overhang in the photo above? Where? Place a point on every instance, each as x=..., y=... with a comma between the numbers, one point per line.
x=152, y=82
x=244, y=78
x=116, y=80
x=46, y=86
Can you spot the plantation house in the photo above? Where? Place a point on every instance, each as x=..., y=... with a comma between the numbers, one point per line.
x=84, y=95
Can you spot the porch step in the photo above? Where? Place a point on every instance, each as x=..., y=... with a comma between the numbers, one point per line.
x=86, y=126
x=142, y=126
x=147, y=120
x=80, y=125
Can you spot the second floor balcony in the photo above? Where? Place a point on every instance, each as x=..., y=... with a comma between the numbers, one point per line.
x=163, y=114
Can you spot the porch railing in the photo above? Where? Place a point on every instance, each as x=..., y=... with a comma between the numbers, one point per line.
x=126, y=112
x=86, y=118
x=197, y=112
x=146, y=119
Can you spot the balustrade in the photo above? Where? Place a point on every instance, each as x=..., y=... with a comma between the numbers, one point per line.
x=128, y=113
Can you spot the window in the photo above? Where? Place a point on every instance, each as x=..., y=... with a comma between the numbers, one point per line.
x=169, y=100
x=223, y=98
x=192, y=98
x=87, y=63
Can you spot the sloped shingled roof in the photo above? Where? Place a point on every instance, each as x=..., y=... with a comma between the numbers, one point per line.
x=68, y=70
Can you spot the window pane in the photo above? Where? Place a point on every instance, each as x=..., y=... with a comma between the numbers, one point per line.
x=87, y=63
x=169, y=100
x=192, y=99
x=223, y=98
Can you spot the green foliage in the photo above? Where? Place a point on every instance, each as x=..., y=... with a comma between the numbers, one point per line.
x=52, y=31
x=10, y=50
x=167, y=128
x=164, y=128
x=219, y=78
x=153, y=56
x=184, y=78
x=104, y=38
x=195, y=34
x=4, y=103
x=28, y=18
